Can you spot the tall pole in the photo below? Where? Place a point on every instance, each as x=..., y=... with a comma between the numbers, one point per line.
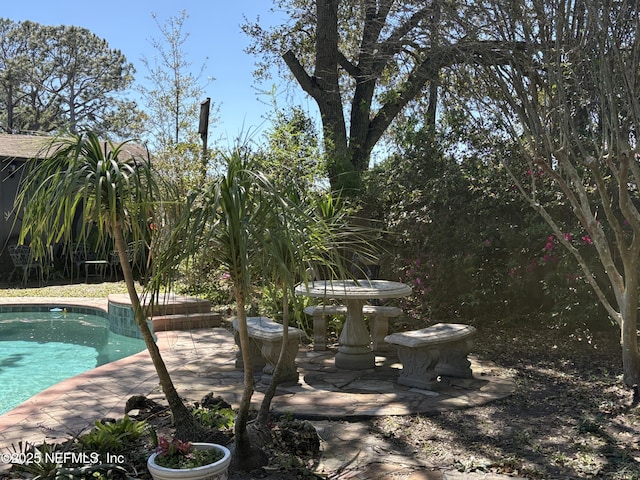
x=203, y=130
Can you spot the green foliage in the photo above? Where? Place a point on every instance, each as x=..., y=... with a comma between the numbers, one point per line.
x=217, y=418
x=173, y=94
x=292, y=154
x=113, y=437
x=111, y=186
x=205, y=279
x=177, y=454
x=38, y=459
x=462, y=236
x=270, y=304
x=64, y=462
x=54, y=79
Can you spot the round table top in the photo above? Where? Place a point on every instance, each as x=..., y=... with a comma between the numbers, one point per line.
x=354, y=289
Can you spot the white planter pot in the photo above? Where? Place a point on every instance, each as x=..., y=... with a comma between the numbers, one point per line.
x=213, y=471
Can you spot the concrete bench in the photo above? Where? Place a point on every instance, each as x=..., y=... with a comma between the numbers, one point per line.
x=266, y=338
x=439, y=350
x=378, y=323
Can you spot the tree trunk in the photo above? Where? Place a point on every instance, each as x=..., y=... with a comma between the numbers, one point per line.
x=326, y=79
x=265, y=406
x=629, y=338
x=245, y=456
x=10, y=108
x=186, y=426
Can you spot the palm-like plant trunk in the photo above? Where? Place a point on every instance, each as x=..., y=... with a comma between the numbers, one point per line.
x=186, y=426
x=242, y=442
x=265, y=406
x=245, y=456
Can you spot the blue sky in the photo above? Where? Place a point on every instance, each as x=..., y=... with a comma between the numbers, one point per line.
x=214, y=36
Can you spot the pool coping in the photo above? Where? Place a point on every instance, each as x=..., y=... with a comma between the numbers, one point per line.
x=98, y=303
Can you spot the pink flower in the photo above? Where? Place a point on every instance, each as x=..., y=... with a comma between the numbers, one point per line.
x=568, y=237
x=586, y=239
x=549, y=245
x=173, y=447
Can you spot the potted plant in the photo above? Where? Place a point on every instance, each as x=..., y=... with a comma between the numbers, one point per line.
x=176, y=459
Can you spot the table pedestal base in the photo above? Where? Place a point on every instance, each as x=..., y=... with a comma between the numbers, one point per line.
x=354, y=352
x=351, y=358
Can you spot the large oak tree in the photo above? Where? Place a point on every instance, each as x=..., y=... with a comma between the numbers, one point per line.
x=364, y=61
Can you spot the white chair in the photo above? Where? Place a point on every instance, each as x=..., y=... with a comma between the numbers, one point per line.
x=23, y=260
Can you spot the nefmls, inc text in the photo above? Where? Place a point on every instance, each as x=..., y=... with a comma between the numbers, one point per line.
x=61, y=458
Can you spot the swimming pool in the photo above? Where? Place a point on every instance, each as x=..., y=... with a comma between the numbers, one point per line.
x=40, y=349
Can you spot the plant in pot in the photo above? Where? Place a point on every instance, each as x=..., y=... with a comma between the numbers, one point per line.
x=175, y=459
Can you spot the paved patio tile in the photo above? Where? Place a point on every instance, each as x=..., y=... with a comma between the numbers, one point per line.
x=203, y=361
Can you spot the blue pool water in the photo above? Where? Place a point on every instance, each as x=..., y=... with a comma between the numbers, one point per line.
x=40, y=349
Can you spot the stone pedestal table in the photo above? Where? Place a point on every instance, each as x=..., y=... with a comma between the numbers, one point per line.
x=354, y=352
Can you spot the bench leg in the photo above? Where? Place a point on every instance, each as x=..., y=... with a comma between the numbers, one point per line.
x=379, y=329
x=418, y=367
x=271, y=353
x=319, y=332
x=254, y=352
x=453, y=360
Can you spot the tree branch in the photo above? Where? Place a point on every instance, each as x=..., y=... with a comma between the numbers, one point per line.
x=307, y=82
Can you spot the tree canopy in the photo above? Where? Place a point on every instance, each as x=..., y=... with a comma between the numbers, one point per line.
x=562, y=117
x=56, y=78
x=173, y=95
x=365, y=61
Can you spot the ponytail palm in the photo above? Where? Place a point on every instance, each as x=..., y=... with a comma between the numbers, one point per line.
x=226, y=219
x=83, y=186
x=257, y=231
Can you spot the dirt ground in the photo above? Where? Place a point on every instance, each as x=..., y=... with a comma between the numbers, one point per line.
x=570, y=417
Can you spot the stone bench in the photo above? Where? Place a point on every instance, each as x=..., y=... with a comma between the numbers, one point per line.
x=378, y=323
x=439, y=350
x=266, y=338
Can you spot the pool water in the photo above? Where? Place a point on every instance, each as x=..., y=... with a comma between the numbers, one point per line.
x=40, y=349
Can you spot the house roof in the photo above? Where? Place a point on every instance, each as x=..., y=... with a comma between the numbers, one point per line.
x=22, y=147
x=25, y=147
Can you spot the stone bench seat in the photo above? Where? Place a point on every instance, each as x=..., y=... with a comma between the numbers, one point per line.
x=378, y=323
x=266, y=337
x=437, y=351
